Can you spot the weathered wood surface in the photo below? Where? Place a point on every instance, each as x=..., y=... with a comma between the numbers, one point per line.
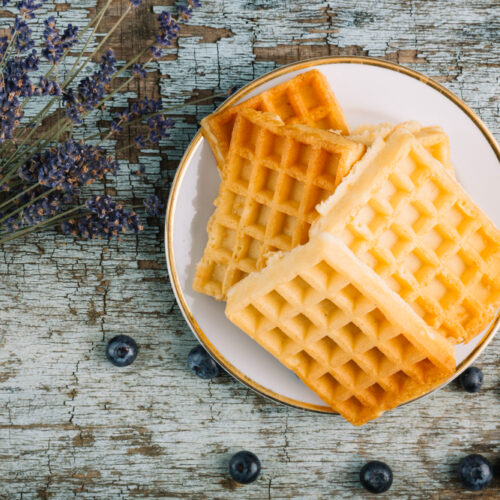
x=73, y=425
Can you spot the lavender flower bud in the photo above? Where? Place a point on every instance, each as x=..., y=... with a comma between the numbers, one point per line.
x=153, y=205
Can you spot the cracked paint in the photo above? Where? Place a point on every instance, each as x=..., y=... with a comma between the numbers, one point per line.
x=71, y=424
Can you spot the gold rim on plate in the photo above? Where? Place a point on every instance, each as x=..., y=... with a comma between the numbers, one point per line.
x=174, y=278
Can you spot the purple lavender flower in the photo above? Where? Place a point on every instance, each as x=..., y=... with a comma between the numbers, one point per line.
x=116, y=128
x=145, y=106
x=72, y=106
x=68, y=166
x=27, y=8
x=15, y=79
x=51, y=180
x=156, y=53
x=92, y=226
x=4, y=43
x=153, y=205
x=159, y=127
x=15, y=83
x=39, y=207
x=90, y=90
x=69, y=227
x=168, y=30
x=107, y=66
x=137, y=109
x=140, y=142
x=107, y=219
x=44, y=208
x=31, y=61
x=139, y=70
x=9, y=118
x=70, y=36
x=125, y=116
x=23, y=39
x=55, y=45
x=13, y=224
x=184, y=12
x=49, y=87
x=101, y=205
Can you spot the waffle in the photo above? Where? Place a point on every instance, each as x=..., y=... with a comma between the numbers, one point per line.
x=305, y=99
x=434, y=139
x=334, y=322
x=276, y=175
x=403, y=215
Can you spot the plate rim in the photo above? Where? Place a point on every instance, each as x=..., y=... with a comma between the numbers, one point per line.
x=182, y=167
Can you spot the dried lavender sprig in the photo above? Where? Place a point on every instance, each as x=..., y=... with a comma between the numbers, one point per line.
x=99, y=46
x=59, y=128
x=151, y=115
x=58, y=134
x=54, y=133
x=101, y=217
x=37, y=120
x=22, y=207
x=15, y=85
x=26, y=10
x=56, y=44
x=153, y=205
x=165, y=38
x=68, y=166
x=18, y=195
x=73, y=72
x=107, y=218
x=96, y=19
x=47, y=222
x=50, y=135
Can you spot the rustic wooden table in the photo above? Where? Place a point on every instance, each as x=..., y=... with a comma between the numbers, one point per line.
x=73, y=425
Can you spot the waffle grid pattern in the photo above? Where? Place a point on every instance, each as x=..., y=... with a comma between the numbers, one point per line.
x=267, y=202
x=339, y=343
x=305, y=99
x=425, y=237
x=434, y=139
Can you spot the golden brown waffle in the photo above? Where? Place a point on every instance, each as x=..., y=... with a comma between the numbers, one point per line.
x=334, y=322
x=434, y=139
x=402, y=214
x=305, y=99
x=276, y=175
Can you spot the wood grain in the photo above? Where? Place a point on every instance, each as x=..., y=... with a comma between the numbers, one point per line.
x=73, y=425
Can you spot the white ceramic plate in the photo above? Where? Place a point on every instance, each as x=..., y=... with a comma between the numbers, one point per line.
x=369, y=91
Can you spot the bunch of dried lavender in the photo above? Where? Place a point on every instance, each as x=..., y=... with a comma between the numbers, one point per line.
x=44, y=169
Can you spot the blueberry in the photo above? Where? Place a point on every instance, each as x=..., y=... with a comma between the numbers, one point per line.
x=472, y=379
x=475, y=472
x=202, y=364
x=376, y=476
x=244, y=467
x=121, y=350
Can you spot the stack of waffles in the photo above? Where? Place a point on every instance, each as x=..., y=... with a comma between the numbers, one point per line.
x=355, y=258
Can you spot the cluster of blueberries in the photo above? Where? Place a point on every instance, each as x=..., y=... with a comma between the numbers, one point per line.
x=474, y=471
